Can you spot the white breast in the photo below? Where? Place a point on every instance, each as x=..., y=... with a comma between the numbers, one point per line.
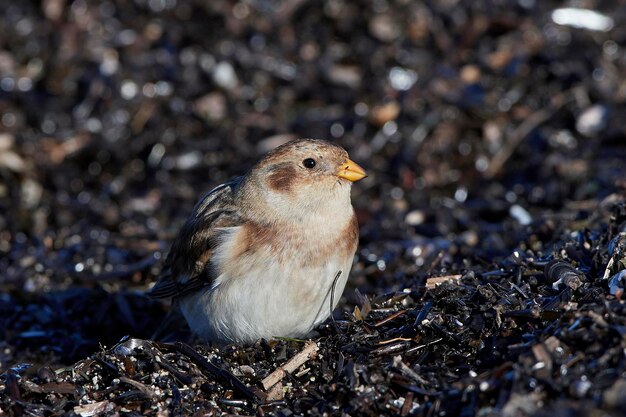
x=269, y=293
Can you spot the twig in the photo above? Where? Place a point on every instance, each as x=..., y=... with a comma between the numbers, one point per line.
x=607, y=271
x=407, y=405
x=390, y=317
x=523, y=130
x=276, y=393
x=434, y=281
x=141, y=387
x=291, y=365
x=288, y=8
x=142, y=116
x=435, y=262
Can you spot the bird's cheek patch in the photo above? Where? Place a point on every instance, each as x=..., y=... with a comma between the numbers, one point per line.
x=282, y=179
x=351, y=235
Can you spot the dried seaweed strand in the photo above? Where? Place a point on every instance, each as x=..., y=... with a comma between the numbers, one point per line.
x=218, y=373
x=332, y=297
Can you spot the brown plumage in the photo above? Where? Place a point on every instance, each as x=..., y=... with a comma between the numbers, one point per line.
x=259, y=254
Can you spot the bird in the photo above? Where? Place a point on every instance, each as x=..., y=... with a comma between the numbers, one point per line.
x=267, y=254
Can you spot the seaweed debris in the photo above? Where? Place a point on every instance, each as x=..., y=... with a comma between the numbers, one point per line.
x=490, y=273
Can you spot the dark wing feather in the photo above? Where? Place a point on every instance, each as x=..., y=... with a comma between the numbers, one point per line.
x=188, y=265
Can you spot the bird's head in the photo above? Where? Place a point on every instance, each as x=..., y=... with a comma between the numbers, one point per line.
x=303, y=178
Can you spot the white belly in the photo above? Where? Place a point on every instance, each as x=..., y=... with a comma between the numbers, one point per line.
x=275, y=300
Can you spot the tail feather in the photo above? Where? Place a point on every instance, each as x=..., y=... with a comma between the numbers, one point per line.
x=165, y=287
x=173, y=328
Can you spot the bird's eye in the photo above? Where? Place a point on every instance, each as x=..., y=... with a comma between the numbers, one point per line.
x=309, y=163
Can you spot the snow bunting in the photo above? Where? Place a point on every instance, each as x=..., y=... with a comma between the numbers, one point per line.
x=264, y=255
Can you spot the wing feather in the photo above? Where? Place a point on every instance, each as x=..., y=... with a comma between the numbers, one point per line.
x=188, y=266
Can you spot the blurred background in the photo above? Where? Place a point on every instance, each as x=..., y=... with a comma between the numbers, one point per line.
x=481, y=124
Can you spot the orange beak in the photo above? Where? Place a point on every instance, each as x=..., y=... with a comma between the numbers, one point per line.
x=351, y=171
